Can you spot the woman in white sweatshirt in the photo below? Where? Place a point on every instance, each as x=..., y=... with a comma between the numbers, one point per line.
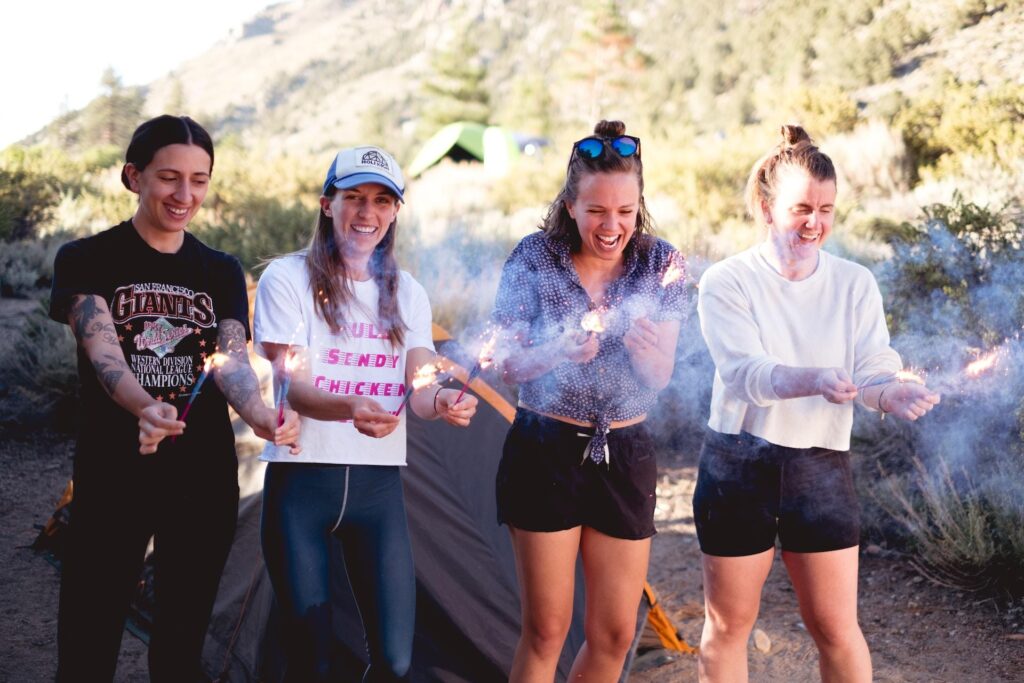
x=797, y=336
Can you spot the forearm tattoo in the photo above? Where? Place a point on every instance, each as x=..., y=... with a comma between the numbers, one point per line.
x=109, y=370
x=84, y=323
x=238, y=381
x=231, y=340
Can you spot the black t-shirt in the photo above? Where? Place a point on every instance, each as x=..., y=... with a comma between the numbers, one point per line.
x=165, y=308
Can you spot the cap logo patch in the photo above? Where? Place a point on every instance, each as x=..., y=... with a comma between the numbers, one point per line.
x=374, y=158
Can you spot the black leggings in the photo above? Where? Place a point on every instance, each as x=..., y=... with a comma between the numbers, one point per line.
x=120, y=502
x=306, y=506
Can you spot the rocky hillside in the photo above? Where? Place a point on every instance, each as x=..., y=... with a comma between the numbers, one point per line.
x=308, y=75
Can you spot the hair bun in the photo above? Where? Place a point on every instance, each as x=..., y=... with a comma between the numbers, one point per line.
x=610, y=129
x=793, y=135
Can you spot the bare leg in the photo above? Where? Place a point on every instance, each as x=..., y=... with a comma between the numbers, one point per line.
x=545, y=566
x=826, y=587
x=614, y=569
x=732, y=598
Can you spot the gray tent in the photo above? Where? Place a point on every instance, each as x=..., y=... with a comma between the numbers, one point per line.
x=467, y=612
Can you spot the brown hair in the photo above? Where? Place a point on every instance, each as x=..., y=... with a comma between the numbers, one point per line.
x=332, y=286
x=796, y=150
x=558, y=224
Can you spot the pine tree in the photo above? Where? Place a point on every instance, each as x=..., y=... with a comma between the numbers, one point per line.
x=455, y=90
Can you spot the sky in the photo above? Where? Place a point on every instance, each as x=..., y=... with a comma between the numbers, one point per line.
x=52, y=54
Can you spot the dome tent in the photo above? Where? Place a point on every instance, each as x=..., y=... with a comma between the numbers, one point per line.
x=496, y=147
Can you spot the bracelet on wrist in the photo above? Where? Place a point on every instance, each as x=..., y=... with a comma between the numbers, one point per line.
x=436, y=394
x=880, y=395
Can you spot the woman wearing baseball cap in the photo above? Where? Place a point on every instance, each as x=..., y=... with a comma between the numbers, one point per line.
x=349, y=329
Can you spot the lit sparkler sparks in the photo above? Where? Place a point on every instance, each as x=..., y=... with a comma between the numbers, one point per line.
x=593, y=321
x=900, y=376
x=675, y=271
x=483, y=360
x=985, y=362
x=424, y=376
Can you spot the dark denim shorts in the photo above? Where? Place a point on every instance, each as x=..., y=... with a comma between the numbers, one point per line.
x=544, y=483
x=749, y=491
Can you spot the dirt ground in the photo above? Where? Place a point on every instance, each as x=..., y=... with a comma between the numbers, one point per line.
x=917, y=631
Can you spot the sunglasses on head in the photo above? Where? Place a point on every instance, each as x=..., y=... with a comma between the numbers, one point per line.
x=593, y=146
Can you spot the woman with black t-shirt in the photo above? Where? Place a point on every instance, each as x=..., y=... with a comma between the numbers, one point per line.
x=149, y=305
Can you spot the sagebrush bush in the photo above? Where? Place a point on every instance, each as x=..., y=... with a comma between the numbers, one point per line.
x=39, y=375
x=953, y=488
x=27, y=265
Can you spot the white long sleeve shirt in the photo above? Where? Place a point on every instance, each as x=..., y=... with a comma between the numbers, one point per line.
x=753, y=319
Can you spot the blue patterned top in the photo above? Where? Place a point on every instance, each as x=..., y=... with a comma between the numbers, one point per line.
x=541, y=298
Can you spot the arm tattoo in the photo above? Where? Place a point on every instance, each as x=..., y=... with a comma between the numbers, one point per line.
x=239, y=383
x=239, y=386
x=109, y=370
x=231, y=340
x=84, y=312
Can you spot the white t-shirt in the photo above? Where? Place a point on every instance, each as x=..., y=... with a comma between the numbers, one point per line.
x=360, y=360
x=753, y=319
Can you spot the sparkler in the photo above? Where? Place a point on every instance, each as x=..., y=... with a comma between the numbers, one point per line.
x=900, y=376
x=212, y=361
x=424, y=376
x=290, y=362
x=483, y=360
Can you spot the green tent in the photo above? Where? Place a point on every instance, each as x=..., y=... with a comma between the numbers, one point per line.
x=467, y=141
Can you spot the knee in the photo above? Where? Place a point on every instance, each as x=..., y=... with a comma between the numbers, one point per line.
x=545, y=635
x=612, y=638
x=834, y=632
x=732, y=625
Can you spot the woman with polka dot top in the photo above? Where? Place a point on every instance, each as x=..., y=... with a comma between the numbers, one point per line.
x=589, y=309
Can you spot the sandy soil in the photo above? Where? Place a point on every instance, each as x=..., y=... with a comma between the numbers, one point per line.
x=917, y=631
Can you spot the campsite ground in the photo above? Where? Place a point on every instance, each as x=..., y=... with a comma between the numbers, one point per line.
x=917, y=631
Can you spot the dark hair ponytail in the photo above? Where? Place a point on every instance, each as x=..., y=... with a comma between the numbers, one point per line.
x=157, y=133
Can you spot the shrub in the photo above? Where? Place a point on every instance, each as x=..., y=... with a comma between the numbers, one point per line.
x=39, y=375
x=961, y=119
x=27, y=265
x=955, y=294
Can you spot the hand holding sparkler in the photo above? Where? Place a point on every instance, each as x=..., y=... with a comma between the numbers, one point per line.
x=157, y=421
x=457, y=411
x=584, y=347
x=906, y=400
x=641, y=337
x=370, y=418
x=836, y=386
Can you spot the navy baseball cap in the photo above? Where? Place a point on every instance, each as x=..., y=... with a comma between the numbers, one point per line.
x=357, y=165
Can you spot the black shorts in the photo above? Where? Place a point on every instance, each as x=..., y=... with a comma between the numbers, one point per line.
x=749, y=491
x=542, y=484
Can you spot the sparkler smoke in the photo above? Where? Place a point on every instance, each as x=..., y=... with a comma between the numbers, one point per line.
x=957, y=311
x=938, y=326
